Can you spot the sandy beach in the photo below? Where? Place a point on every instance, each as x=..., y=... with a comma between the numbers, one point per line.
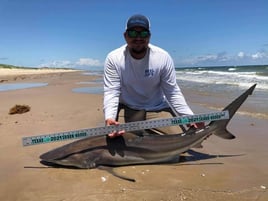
x=222, y=170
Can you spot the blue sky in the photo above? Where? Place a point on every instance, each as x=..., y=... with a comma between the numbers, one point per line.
x=80, y=33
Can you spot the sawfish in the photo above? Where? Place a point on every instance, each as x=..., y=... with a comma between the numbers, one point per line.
x=130, y=149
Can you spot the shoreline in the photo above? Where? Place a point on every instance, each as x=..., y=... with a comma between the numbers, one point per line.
x=14, y=75
x=222, y=170
x=30, y=71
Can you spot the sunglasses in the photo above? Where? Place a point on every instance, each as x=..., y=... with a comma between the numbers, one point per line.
x=135, y=34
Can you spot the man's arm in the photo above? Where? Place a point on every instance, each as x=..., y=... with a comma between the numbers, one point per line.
x=111, y=89
x=111, y=95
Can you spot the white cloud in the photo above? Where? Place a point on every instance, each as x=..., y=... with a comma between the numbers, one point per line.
x=85, y=62
x=241, y=54
x=88, y=62
x=259, y=55
x=222, y=58
x=57, y=64
x=209, y=58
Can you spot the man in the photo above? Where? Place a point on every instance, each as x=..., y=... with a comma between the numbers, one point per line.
x=140, y=78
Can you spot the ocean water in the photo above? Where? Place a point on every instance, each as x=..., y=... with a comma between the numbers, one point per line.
x=229, y=82
x=89, y=90
x=16, y=86
x=92, y=87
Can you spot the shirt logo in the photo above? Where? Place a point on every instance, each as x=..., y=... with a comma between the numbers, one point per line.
x=149, y=73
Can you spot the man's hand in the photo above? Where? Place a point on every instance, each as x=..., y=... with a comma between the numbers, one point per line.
x=197, y=125
x=109, y=122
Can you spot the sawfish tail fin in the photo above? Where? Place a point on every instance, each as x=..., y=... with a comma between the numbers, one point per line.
x=219, y=127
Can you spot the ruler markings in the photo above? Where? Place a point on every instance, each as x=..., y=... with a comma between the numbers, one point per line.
x=131, y=126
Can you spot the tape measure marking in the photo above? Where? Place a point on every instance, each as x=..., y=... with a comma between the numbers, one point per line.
x=131, y=126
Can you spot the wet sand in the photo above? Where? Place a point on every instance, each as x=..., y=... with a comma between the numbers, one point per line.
x=222, y=170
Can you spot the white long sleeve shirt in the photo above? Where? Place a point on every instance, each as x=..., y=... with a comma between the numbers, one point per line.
x=142, y=84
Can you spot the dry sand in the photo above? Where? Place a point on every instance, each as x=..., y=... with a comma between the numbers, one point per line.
x=4, y=72
x=228, y=170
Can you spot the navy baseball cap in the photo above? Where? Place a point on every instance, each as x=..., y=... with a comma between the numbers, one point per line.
x=138, y=21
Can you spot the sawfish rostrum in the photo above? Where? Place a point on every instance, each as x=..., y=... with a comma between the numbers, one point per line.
x=130, y=149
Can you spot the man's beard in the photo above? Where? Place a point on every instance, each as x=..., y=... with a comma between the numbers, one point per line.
x=140, y=51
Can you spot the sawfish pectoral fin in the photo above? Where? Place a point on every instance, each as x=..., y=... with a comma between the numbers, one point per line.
x=198, y=146
x=112, y=172
x=225, y=134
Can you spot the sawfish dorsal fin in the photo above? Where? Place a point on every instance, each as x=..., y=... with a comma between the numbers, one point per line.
x=219, y=127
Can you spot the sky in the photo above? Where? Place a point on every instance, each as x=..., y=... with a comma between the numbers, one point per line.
x=80, y=33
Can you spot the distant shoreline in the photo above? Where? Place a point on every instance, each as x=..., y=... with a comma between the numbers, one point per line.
x=7, y=66
x=220, y=67
x=31, y=71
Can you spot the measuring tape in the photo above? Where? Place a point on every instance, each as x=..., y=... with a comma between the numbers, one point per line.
x=131, y=126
